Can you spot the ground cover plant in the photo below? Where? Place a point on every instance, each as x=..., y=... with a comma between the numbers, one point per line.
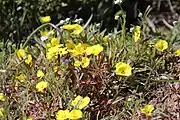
x=74, y=71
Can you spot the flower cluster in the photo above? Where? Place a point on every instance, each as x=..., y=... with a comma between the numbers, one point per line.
x=78, y=56
x=42, y=85
x=78, y=103
x=55, y=51
x=21, y=54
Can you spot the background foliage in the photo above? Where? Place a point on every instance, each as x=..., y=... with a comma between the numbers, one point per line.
x=18, y=18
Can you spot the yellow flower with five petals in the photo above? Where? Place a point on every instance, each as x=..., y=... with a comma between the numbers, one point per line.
x=40, y=74
x=147, y=110
x=123, y=69
x=41, y=86
x=161, y=45
x=21, y=54
x=62, y=115
x=95, y=50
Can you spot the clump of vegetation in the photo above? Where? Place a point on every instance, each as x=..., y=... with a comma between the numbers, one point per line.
x=78, y=72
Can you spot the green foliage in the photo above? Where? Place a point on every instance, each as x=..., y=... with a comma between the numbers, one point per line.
x=20, y=17
x=112, y=96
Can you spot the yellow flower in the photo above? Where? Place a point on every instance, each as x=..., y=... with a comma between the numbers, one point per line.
x=46, y=34
x=21, y=77
x=95, y=49
x=55, y=51
x=2, y=97
x=40, y=74
x=85, y=62
x=51, y=52
x=161, y=45
x=76, y=28
x=56, y=69
x=29, y=119
x=21, y=54
x=45, y=19
x=78, y=50
x=137, y=33
x=75, y=114
x=62, y=51
x=41, y=86
x=85, y=101
x=77, y=63
x=51, y=32
x=62, y=115
x=28, y=60
x=2, y=112
x=123, y=69
x=105, y=39
x=48, y=45
x=178, y=52
x=70, y=45
x=76, y=101
x=80, y=102
x=54, y=41
x=68, y=27
x=147, y=110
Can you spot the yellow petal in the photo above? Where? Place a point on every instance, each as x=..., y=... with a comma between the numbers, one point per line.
x=40, y=74
x=2, y=112
x=77, y=64
x=147, y=110
x=137, y=33
x=76, y=101
x=123, y=69
x=21, y=54
x=161, y=45
x=178, y=52
x=45, y=19
x=85, y=101
x=54, y=41
x=106, y=38
x=21, y=77
x=2, y=97
x=62, y=115
x=41, y=86
x=85, y=62
x=75, y=114
x=28, y=60
x=29, y=119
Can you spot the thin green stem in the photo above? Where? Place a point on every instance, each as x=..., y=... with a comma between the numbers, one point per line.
x=40, y=27
x=29, y=37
